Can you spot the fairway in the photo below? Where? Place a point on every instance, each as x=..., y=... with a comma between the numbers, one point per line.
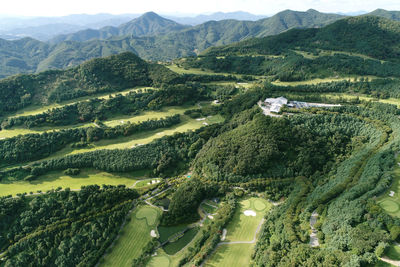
x=392, y=204
x=233, y=255
x=242, y=227
x=53, y=180
x=173, y=247
x=159, y=261
x=134, y=236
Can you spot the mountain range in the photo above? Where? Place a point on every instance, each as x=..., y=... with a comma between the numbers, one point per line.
x=151, y=37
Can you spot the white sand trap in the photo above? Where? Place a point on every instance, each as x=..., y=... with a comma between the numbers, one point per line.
x=223, y=234
x=160, y=133
x=210, y=216
x=391, y=193
x=250, y=213
x=153, y=233
x=121, y=121
x=205, y=123
x=200, y=119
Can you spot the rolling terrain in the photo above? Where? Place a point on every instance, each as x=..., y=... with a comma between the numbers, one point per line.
x=122, y=162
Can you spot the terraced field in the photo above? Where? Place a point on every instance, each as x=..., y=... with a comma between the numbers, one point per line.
x=134, y=236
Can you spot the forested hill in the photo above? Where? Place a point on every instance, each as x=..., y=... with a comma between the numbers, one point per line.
x=368, y=35
x=148, y=24
x=394, y=15
x=111, y=74
x=30, y=56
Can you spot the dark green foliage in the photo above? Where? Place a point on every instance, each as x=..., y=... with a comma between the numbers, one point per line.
x=269, y=147
x=62, y=228
x=110, y=74
x=72, y=172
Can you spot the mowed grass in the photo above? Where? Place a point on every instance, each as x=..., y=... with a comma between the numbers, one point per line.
x=118, y=120
x=242, y=227
x=392, y=204
x=134, y=236
x=232, y=255
x=140, y=138
x=167, y=231
x=57, y=179
x=35, y=109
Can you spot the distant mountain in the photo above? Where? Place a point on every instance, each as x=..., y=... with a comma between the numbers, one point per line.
x=177, y=43
x=146, y=25
x=45, y=28
x=393, y=15
x=239, y=15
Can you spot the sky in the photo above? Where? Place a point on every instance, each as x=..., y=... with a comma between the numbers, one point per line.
x=261, y=7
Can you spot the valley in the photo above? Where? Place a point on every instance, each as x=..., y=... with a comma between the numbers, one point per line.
x=211, y=158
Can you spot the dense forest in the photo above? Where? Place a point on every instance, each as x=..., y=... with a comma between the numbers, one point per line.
x=62, y=228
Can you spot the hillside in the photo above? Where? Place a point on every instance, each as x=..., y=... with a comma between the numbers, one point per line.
x=182, y=43
x=393, y=15
x=373, y=36
x=148, y=24
x=111, y=74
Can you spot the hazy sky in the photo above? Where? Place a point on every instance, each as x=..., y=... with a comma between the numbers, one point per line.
x=64, y=7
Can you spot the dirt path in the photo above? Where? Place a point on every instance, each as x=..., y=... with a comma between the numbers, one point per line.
x=314, y=242
x=393, y=262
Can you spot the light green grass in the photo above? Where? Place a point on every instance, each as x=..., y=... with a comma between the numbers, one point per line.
x=393, y=252
x=391, y=204
x=159, y=261
x=243, y=228
x=149, y=214
x=383, y=264
x=140, y=138
x=233, y=255
x=134, y=236
x=53, y=180
x=35, y=109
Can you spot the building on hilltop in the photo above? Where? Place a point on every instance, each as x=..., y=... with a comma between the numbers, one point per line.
x=275, y=104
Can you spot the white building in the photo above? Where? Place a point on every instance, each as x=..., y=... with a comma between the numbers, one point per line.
x=275, y=104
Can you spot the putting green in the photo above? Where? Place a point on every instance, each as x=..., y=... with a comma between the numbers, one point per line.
x=259, y=205
x=389, y=205
x=159, y=261
x=148, y=213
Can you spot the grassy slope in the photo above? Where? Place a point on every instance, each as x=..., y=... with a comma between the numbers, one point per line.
x=134, y=236
x=231, y=256
x=392, y=204
x=53, y=180
x=240, y=228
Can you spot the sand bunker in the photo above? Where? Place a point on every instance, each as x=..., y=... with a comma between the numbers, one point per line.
x=210, y=216
x=250, y=213
x=391, y=193
x=153, y=233
x=223, y=234
x=200, y=119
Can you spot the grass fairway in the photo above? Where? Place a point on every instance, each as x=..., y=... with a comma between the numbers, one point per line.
x=392, y=204
x=233, y=255
x=168, y=231
x=53, y=180
x=160, y=261
x=134, y=236
x=242, y=227
x=35, y=109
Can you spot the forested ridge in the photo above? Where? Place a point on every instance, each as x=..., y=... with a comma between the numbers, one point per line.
x=337, y=161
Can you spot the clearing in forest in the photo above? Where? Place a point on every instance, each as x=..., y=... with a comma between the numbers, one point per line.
x=391, y=204
x=53, y=180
